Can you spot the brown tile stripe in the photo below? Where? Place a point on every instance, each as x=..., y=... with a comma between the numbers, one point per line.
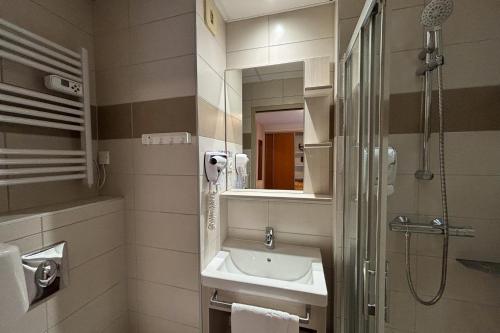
x=131, y=120
x=466, y=109
x=247, y=140
x=114, y=121
x=211, y=121
x=166, y=115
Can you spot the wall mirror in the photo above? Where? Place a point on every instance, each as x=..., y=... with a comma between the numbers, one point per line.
x=273, y=125
x=284, y=117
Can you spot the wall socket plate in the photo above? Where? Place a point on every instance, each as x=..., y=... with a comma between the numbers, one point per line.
x=103, y=158
x=211, y=16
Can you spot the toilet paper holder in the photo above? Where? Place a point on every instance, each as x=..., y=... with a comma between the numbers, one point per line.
x=46, y=272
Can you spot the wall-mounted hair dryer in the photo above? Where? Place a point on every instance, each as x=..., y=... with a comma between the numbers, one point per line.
x=215, y=163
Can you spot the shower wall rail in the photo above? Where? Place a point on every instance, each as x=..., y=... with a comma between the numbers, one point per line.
x=31, y=108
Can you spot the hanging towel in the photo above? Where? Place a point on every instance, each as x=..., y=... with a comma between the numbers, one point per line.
x=253, y=319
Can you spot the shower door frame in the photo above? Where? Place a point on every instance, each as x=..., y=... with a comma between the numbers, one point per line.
x=369, y=283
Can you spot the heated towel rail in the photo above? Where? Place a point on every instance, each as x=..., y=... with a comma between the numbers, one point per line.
x=28, y=107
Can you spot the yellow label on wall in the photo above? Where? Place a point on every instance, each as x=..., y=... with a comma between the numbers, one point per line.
x=211, y=16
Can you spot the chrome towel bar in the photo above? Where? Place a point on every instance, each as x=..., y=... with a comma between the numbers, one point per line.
x=217, y=304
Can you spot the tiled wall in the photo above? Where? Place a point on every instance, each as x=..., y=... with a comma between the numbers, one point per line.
x=280, y=38
x=146, y=83
x=471, y=82
x=69, y=24
x=211, y=65
x=471, y=99
x=96, y=298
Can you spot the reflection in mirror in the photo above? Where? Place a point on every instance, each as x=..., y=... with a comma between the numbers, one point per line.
x=273, y=125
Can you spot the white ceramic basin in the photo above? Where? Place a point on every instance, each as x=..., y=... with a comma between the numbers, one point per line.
x=288, y=272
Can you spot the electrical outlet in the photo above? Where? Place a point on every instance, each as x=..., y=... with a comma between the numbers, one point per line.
x=103, y=158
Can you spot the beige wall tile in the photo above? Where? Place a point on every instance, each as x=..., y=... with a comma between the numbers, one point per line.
x=481, y=17
x=174, y=194
x=210, y=48
x=165, y=159
x=175, y=304
x=113, y=86
x=350, y=8
x=248, y=58
x=484, y=290
x=120, y=153
x=163, y=79
x=308, y=219
x=96, y=315
x=407, y=147
x=153, y=10
x=88, y=281
x=177, y=269
x=403, y=67
x=248, y=214
x=403, y=198
x=167, y=231
x=481, y=148
x=210, y=85
x=85, y=211
x=461, y=71
x=468, y=196
x=120, y=184
x=267, y=89
x=112, y=49
x=149, y=324
x=455, y=316
x=153, y=41
x=300, y=25
x=406, y=29
x=402, y=314
x=20, y=228
x=110, y=15
x=89, y=239
x=247, y=34
x=28, y=243
x=293, y=87
x=301, y=50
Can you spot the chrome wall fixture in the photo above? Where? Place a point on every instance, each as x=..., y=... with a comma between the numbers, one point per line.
x=403, y=224
x=46, y=272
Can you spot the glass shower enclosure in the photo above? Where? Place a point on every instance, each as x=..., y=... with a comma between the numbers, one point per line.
x=364, y=183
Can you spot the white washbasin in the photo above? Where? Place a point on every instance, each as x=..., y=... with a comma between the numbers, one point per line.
x=288, y=272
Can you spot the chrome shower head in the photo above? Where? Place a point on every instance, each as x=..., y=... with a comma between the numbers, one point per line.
x=435, y=13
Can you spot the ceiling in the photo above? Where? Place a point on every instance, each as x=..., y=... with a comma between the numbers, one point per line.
x=274, y=72
x=234, y=10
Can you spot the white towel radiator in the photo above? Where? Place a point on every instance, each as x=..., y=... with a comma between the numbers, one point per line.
x=27, y=107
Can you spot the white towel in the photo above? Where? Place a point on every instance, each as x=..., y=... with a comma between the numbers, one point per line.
x=253, y=319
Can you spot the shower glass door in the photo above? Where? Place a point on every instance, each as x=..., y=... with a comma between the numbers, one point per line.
x=364, y=204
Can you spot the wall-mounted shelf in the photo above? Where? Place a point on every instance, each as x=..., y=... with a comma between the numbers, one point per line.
x=321, y=91
x=482, y=266
x=318, y=145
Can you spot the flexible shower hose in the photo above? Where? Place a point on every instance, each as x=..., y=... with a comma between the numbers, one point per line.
x=444, y=204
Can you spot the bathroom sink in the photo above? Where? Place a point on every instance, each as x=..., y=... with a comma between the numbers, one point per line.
x=288, y=272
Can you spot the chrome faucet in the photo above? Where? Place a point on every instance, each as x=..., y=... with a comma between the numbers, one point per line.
x=269, y=238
